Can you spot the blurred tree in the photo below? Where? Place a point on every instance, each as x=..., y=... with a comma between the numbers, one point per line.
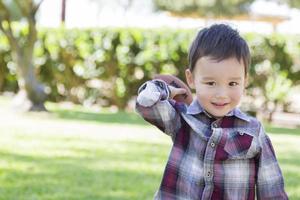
x=124, y=4
x=272, y=72
x=276, y=89
x=205, y=8
x=21, y=38
x=291, y=3
x=63, y=11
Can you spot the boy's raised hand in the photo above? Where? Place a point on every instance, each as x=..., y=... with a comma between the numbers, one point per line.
x=176, y=91
x=179, y=91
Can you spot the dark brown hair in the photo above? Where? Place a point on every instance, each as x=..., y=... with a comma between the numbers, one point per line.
x=219, y=42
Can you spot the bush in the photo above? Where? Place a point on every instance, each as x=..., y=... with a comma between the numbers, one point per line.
x=106, y=66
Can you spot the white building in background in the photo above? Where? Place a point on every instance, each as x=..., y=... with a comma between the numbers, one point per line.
x=141, y=13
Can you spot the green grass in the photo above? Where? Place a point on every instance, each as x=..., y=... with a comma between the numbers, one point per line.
x=86, y=155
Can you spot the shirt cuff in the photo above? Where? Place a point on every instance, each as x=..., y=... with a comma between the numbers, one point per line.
x=153, y=91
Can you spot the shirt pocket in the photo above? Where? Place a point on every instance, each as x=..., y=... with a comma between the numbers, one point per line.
x=240, y=145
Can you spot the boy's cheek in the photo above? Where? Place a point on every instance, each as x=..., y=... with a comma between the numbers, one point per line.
x=237, y=96
x=203, y=96
x=239, y=93
x=201, y=89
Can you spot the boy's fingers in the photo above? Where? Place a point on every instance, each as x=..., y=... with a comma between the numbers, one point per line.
x=180, y=91
x=176, y=91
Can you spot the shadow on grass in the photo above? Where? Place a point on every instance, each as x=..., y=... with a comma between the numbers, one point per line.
x=119, y=117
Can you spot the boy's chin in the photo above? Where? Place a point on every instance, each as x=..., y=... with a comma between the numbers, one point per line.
x=217, y=115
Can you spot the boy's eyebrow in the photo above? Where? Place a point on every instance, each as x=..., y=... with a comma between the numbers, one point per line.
x=231, y=78
x=235, y=78
x=208, y=78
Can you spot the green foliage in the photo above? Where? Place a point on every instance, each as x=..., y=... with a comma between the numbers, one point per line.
x=15, y=12
x=291, y=3
x=106, y=66
x=277, y=86
x=8, y=79
x=273, y=69
x=212, y=8
x=205, y=8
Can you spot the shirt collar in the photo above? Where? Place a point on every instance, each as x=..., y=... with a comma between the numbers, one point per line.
x=195, y=108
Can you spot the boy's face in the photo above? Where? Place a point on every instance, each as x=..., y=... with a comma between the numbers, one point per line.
x=219, y=85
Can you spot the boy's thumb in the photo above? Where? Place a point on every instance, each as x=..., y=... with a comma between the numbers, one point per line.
x=182, y=90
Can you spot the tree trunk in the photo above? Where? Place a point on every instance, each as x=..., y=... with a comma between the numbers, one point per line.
x=63, y=11
x=31, y=95
x=272, y=111
x=2, y=76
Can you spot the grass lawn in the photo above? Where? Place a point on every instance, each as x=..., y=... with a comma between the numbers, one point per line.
x=82, y=154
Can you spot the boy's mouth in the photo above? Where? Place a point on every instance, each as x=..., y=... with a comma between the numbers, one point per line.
x=220, y=104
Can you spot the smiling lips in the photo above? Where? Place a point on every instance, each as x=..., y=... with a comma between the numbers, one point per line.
x=220, y=104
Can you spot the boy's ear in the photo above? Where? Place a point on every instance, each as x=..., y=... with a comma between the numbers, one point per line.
x=189, y=78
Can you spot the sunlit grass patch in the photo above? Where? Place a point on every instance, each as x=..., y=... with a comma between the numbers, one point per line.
x=99, y=155
x=44, y=156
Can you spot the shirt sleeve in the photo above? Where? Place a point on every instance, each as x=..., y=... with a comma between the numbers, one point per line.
x=270, y=184
x=154, y=105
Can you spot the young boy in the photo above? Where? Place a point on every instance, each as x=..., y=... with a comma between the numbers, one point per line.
x=218, y=151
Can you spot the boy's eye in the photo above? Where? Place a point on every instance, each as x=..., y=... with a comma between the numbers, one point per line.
x=211, y=83
x=233, y=83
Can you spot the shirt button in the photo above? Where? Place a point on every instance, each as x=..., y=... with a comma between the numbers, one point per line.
x=212, y=145
x=208, y=174
x=241, y=133
x=215, y=125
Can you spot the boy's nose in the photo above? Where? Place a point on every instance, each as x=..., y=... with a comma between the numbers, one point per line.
x=221, y=93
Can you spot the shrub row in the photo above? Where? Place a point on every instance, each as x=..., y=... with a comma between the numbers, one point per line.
x=106, y=66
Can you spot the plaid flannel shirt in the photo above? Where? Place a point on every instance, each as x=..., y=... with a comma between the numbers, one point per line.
x=230, y=158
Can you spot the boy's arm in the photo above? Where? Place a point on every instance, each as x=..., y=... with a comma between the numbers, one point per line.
x=154, y=105
x=270, y=183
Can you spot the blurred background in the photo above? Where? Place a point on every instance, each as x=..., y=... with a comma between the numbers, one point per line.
x=69, y=74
